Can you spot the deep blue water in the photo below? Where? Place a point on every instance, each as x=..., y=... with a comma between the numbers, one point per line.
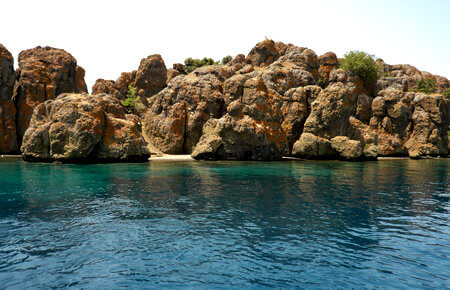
x=308, y=224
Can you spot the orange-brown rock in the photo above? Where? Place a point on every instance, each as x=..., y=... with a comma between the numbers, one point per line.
x=285, y=100
x=148, y=80
x=151, y=76
x=175, y=118
x=428, y=124
x=8, y=138
x=83, y=128
x=43, y=74
x=263, y=54
x=251, y=130
x=327, y=62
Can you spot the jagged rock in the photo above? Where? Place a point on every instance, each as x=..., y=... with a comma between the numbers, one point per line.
x=179, y=67
x=263, y=54
x=327, y=63
x=295, y=110
x=313, y=147
x=151, y=76
x=79, y=80
x=347, y=149
x=176, y=115
x=8, y=138
x=429, y=120
x=250, y=130
x=392, y=112
x=405, y=77
x=172, y=73
x=83, y=128
x=149, y=79
x=43, y=74
x=363, y=108
x=331, y=111
x=307, y=99
x=102, y=86
x=118, y=89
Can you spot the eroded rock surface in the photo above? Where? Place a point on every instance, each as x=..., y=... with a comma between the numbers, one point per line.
x=43, y=74
x=8, y=138
x=147, y=80
x=285, y=100
x=83, y=128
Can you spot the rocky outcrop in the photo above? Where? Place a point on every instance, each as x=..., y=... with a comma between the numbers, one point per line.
x=43, y=74
x=251, y=129
x=148, y=80
x=285, y=100
x=83, y=128
x=8, y=138
x=175, y=117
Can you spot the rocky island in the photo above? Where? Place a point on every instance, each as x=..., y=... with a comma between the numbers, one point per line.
x=279, y=100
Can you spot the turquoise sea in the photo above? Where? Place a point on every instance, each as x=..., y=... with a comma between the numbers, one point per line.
x=293, y=224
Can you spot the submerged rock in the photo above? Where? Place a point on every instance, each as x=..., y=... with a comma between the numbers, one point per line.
x=8, y=137
x=43, y=74
x=83, y=128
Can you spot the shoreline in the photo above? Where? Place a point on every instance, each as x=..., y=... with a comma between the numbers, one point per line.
x=186, y=157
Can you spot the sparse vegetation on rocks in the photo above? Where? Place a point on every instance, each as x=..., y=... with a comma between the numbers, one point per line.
x=132, y=102
x=361, y=64
x=426, y=86
x=193, y=63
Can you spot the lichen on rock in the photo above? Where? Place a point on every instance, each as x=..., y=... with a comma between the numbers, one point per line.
x=83, y=128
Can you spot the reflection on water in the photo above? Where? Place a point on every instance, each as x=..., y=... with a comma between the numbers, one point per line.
x=222, y=224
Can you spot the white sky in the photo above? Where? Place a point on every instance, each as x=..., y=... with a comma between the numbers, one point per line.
x=109, y=37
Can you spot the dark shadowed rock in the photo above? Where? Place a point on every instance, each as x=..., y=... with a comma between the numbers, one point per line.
x=8, y=138
x=83, y=128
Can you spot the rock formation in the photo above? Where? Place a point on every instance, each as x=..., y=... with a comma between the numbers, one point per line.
x=8, y=138
x=285, y=100
x=83, y=128
x=279, y=100
x=149, y=79
x=43, y=74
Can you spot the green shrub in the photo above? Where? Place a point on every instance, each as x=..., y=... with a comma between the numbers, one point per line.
x=361, y=64
x=425, y=86
x=446, y=93
x=193, y=63
x=227, y=59
x=132, y=102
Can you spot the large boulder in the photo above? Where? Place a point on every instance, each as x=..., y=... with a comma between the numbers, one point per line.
x=8, y=138
x=263, y=54
x=346, y=148
x=151, y=76
x=174, y=120
x=83, y=128
x=43, y=74
x=429, y=122
x=313, y=147
x=392, y=111
x=118, y=89
x=251, y=129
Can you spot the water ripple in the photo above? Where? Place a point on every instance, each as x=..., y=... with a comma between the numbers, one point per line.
x=225, y=224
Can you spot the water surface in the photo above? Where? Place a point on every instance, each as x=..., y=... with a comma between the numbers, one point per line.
x=324, y=224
